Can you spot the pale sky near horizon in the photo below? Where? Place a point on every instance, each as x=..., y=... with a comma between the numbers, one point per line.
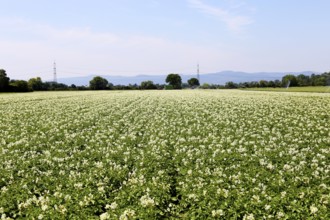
x=131, y=37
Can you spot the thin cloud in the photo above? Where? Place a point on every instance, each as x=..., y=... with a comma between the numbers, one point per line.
x=233, y=22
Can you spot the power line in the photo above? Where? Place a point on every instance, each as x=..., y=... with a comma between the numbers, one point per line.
x=85, y=71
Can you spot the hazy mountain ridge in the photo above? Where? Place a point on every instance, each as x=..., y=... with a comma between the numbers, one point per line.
x=212, y=78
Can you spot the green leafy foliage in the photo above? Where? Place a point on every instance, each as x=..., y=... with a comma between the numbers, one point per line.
x=98, y=83
x=4, y=81
x=193, y=82
x=35, y=84
x=148, y=85
x=174, y=80
x=19, y=86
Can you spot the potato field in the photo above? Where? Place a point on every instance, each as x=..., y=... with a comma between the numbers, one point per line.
x=190, y=154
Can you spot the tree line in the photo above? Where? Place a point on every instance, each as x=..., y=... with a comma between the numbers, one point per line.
x=287, y=80
x=173, y=81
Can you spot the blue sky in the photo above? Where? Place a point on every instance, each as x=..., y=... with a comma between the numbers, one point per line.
x=130, y=37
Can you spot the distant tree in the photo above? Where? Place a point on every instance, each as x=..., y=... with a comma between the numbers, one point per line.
x=73, y=86
x=231, y=85
x=133, y=86
x=213, y=86
x=82, y=88
x=148, y=85
x=174, y=80
x=271, y=84
x=205, y=86
x=314, y=79
x=168, y=87
x=243, y=85
x=110, y=86
x=327, y=78
x=47, y=86
x=160, y=86
x=303, y=80
x=19, y=86
x=4, y=81
x=54, y=86
x=253, y=84
x=278, y=83
x=98, y=83
x=289, y=78
x=320, y=81
x=121, y=87
x=193, y=82
x=35, y=84
x=263, y=83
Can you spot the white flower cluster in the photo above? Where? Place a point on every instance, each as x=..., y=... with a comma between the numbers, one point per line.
x=146, y=201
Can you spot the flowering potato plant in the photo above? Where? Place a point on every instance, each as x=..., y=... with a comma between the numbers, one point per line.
x=164, y=154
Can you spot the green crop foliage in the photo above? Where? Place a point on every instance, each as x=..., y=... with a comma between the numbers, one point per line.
x=191, y=154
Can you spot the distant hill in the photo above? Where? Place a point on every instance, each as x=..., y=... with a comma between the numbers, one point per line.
x=212, y=78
